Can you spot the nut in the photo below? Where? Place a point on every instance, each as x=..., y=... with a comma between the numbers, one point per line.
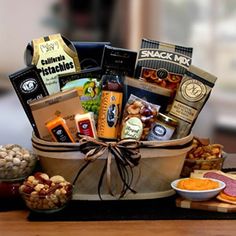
x=203, y=156
x=45, y=176
x=142, y=109
x=57, y=179
x=12, y=162
x=42, y=196
x=133, y=109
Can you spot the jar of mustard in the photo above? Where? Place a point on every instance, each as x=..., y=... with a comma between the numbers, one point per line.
x=163, y=128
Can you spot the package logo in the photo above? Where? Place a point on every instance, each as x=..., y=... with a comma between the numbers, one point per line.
x=84, y=126
x=157, y=54
x=159, y=130
x=29, y=85
x=162, y=73
x=49, y=46
x=193, y=90
x=59, y=132
x=112, y=115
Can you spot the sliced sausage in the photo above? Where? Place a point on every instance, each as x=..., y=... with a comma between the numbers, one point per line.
x=230, y=188
x=217, y=176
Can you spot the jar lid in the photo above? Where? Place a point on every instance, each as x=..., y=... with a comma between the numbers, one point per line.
x=169, y=120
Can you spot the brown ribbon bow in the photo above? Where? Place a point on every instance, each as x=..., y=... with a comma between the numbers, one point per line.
x=126, y=155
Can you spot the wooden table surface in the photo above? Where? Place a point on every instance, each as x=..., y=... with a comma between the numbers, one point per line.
x=15, y=223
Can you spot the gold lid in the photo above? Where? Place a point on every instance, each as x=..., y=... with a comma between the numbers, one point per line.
x=167, y=119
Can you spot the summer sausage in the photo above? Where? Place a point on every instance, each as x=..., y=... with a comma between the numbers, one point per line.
x=230, y=188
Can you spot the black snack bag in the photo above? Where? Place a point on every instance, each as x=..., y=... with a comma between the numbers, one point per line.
x=162, y=64
x=90, y=53
x=29, y=87
x=119, y=59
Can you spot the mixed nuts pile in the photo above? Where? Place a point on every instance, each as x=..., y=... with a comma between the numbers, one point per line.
x=15, y=161
x=43, y=193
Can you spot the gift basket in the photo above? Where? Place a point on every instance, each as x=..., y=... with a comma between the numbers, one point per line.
x=160, y=163
x=120, y=129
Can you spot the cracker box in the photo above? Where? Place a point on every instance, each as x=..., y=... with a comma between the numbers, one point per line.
x=64, y=104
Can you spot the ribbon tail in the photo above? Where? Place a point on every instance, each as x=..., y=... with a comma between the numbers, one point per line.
x=108, y=173
x=80, y=171
x=101, y=180
x=125, y=177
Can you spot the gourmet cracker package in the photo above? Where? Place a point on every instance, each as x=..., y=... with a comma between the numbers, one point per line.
x=64, y=104
x=88, y=84
x=162, y=64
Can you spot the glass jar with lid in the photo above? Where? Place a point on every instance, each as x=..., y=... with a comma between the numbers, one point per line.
x=163, y=128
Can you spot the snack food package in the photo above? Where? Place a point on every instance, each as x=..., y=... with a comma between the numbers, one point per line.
x=119, y=59
x=59, y=130
x=90, y=53
x=88, y=84
x=192, y=94
x=116, y=63
x=141, y=110
x=151, y=93
x=162, y=64
x=64, y=104
x=86, y=125
x=29, y=87
x=52, y=55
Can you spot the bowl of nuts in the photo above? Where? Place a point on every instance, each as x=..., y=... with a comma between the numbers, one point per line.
x=44, y=194
x=203, y=156
x=16, y=162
